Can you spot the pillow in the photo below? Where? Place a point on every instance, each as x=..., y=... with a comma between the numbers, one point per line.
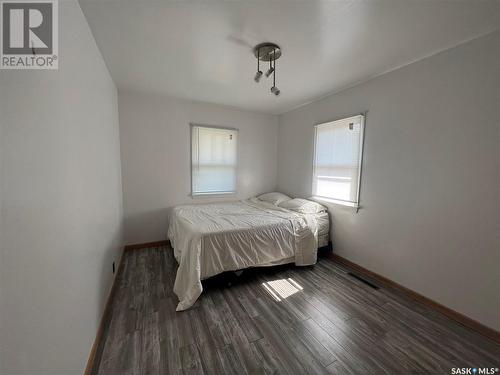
x=274, y=198
x=303, y=206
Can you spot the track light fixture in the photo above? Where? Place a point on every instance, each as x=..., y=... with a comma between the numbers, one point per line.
x=259, y=73
x=274, y=89
x=267, y=52
x=271, y=69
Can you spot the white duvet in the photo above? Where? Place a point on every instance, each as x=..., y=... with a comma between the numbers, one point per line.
x=209, y=239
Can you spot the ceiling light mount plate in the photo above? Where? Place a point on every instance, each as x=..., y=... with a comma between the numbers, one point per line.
x=267, y=51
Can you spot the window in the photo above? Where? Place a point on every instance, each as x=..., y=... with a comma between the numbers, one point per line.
x=338, y=148
x=213, y=160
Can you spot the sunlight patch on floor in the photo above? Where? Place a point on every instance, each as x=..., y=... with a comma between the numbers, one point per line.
x=282, y=288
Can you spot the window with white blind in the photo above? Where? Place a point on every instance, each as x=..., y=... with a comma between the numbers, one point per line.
x=213, y=160
x=338, y=148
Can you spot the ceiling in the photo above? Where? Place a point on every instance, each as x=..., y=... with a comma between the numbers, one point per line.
x=202, y=50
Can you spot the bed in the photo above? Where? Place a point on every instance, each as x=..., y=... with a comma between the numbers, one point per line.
x=209, y=239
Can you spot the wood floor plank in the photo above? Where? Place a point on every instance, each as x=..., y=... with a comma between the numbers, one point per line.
x=209, y=358
x=288, y=360
x=230, y=362
x=248, y=326
x=316, y=320
x=238, y=338
x=321, y=352
x=353, y=360
x=266, y=355
x=336, y=368
x=190, y=360
x=128, y=360
x=453, y=345
x=293, y=346
x=150, y=345
x=170, y=360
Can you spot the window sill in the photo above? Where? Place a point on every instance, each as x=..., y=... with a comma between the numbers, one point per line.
x=212, y=194
x=338, y=202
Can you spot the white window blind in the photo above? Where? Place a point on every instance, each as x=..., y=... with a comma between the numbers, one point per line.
x=337, y=159
x=213, y=160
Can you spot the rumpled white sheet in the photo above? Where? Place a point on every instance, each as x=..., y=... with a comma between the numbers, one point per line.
x=209, y=239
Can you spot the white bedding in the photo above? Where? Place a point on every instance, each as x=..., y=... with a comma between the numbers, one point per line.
x=209, y=239
x=323, y=221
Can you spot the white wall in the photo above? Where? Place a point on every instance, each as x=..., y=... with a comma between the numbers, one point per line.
x=3, y=99
x=61, y=204
x=155, y=152
x=431, y=181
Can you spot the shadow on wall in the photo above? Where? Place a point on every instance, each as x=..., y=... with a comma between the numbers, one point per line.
x=148, y=226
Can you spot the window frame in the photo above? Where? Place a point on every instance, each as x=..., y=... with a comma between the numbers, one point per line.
x=343, y=202
x=214, y=193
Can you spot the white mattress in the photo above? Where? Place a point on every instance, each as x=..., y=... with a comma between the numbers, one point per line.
x=212, y=238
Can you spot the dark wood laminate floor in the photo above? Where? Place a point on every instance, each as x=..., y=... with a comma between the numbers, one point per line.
x=286, y=320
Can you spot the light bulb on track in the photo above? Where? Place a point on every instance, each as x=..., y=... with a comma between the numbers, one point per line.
x=270, y=71
x=267, y=52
